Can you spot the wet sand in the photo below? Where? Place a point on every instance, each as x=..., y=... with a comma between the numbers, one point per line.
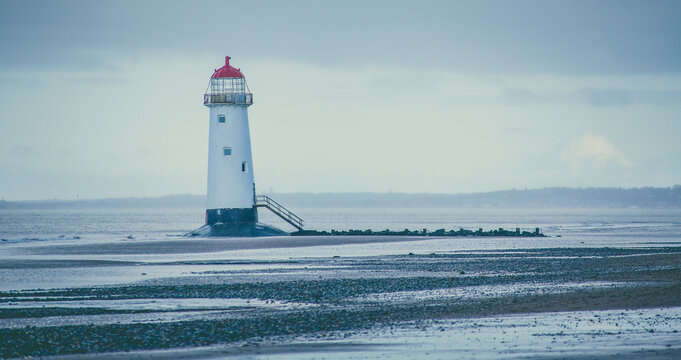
x=213, y=305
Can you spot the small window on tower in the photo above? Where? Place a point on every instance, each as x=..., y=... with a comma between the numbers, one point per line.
x=227, y=151
x=244, y=167
x=221, y=118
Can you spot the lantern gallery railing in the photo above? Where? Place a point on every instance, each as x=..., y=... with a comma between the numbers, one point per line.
x=245, y=99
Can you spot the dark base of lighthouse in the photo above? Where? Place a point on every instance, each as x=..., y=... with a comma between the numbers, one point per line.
x=235, y=223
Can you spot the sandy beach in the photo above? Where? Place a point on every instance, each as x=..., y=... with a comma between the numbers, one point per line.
x=217, y=298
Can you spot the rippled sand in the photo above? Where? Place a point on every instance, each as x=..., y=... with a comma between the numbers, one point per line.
x=340, y=297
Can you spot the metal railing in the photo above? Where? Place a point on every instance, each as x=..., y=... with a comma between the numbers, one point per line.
x=277, y=209
x=234, y=98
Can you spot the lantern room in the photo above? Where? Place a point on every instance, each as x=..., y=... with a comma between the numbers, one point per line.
x=228, y=86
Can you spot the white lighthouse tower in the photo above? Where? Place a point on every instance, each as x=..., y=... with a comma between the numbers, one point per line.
x=231, y=202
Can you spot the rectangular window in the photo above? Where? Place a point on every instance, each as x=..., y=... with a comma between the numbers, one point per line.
x=244, y=167
x=221, y=118
x=227, y=151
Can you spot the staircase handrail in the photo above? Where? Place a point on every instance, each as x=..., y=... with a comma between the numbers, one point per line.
x=278, y=209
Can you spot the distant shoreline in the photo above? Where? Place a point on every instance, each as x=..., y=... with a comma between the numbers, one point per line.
x=604, y=197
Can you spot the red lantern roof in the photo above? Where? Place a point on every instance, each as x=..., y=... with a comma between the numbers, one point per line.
x=227, y=71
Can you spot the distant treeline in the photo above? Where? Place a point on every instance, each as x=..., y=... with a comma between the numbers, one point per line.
x=648, y=197
x=169, y=201
x=645, y=197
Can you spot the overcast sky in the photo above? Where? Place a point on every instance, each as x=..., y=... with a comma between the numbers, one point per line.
x=104, y=98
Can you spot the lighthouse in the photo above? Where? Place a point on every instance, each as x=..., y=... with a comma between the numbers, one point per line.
x=231, y=200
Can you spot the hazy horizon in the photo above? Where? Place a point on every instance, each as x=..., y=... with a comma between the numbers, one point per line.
x=104, y=99
x=647, y=197
x=361, y=192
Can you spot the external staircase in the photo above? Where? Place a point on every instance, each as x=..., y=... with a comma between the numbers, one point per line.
x=285, y=214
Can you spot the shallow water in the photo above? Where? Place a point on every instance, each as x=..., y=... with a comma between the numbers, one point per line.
x=581, y=333
x=485, y=291
x=616, y=225
x=146, y=310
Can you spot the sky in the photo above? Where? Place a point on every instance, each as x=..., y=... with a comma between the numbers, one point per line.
x=102, y=99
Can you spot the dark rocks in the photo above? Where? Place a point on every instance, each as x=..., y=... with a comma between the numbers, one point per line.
x=423, y=232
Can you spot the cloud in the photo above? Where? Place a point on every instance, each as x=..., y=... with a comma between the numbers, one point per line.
x=605, y=98
x=593, y=151
x=489, y=36
x=515, y=129
x=22, y=151
x=520, y=96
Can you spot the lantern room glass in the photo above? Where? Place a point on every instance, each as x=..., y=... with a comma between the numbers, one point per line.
x=219, y=86
x=228, y=91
